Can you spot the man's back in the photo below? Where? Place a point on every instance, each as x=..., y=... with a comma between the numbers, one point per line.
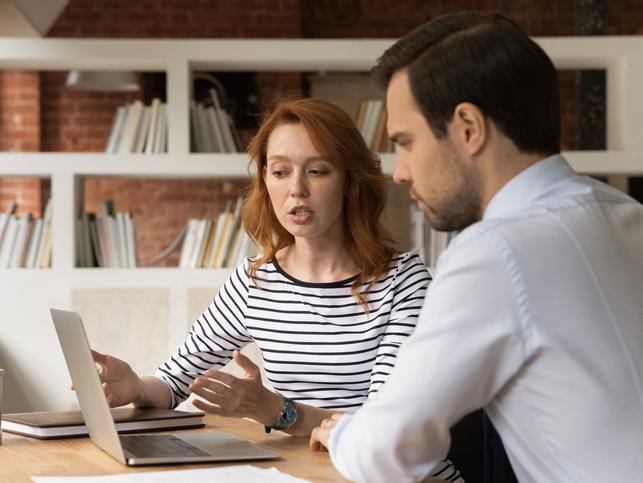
x=574, y=410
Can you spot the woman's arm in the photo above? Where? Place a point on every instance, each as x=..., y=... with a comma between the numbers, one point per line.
x=213, y=337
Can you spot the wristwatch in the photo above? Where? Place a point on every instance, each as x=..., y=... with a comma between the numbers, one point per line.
x=287, y=416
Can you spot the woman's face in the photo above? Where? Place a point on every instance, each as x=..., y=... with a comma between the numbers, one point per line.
x=306, y=190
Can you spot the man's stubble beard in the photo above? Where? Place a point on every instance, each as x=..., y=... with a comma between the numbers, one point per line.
x=461, y=205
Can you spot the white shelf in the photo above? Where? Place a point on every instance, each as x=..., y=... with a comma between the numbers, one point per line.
x=237, y=165
x=148, y=165
x=160, y=55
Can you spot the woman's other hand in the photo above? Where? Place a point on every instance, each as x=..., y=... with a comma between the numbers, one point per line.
x=239, y=397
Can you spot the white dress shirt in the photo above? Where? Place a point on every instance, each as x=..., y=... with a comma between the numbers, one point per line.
x=535, y=315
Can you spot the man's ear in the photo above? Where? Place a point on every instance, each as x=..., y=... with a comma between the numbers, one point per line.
x=468, y=128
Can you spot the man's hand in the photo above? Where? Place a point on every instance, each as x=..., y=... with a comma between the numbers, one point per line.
x=319, y=436
x=232, y=396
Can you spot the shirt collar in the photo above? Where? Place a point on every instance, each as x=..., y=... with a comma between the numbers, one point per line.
x=527, y=185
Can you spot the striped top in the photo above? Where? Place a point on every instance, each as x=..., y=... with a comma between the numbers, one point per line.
x=318, y=345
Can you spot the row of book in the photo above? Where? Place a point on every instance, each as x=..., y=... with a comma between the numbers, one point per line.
x=371, y=122
x=25, y=241
x=108, y=240
x=213, y=129
x=429, y=243
x=138, y=128
x=216, y=243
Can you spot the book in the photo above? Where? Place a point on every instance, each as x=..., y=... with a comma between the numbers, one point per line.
x=205, y=226
x=153, y=130
x=229, y=235
x=130, y=235
x=160, y=139
x=23, y=233
x=70, y=424
x=143, y=128
x=117, y=130
x=188, y=242
x=208, y=244
x=131, y=128
x=34, y=243
x=11, y=231
x=122, y=239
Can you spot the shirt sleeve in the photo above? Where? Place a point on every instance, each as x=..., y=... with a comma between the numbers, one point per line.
x=466, y=347
x=409, y=285
x=217, y=332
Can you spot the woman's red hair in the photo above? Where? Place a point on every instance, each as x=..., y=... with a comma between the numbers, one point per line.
x=335, y=136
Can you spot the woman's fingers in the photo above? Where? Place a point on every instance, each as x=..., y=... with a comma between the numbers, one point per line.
x=208, y=408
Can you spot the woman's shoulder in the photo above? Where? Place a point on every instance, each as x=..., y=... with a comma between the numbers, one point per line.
x=250, y=268
x=406, y=260
x=407, y=264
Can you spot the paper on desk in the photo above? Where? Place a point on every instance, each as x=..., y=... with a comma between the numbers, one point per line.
x=245, y=473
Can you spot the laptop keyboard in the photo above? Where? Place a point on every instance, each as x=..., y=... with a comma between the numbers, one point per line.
x=158, y=446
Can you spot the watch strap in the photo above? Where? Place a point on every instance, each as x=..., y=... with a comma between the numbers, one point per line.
x=287, y=416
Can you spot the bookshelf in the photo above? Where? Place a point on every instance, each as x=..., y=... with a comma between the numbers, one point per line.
x=173, y=296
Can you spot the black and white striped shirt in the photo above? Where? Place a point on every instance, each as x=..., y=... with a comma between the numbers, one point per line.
x=319, y=347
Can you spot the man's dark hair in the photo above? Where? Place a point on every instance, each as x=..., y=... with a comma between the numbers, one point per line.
x=485, y=59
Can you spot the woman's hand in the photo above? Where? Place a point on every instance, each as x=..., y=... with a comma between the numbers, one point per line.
x=232, y=396
x=120, y=383
x=319, y=436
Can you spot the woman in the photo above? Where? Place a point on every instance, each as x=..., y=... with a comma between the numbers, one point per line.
x=328, y=300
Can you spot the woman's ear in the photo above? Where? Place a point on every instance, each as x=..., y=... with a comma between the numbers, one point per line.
x=468, y=128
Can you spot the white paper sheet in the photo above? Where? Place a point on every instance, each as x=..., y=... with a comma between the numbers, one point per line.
x=244, y=473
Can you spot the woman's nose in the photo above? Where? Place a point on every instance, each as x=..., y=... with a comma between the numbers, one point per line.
x=298, y=187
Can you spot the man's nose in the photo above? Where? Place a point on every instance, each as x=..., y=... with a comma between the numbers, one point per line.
x=400, y=171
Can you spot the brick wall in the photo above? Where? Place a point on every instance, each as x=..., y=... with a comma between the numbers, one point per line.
x=75, y=121
x=20, y=131
x=38, y=113
x=19, y=111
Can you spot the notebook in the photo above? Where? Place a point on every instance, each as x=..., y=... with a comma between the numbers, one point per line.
x=70, y=424
x=137, y=449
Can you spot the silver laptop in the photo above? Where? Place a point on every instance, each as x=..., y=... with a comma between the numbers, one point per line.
x=137, y=449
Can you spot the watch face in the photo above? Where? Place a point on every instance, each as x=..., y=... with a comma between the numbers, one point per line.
x=289, y=415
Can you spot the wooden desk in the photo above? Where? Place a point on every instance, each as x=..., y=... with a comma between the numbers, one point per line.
x=22, y=457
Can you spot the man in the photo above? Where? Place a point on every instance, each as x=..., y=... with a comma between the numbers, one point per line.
x=536, y=312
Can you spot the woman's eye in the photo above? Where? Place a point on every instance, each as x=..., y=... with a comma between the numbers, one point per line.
x=318, y=172
x=278, y=173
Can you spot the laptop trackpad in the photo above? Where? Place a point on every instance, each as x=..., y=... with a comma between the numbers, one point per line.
x=227, y=446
